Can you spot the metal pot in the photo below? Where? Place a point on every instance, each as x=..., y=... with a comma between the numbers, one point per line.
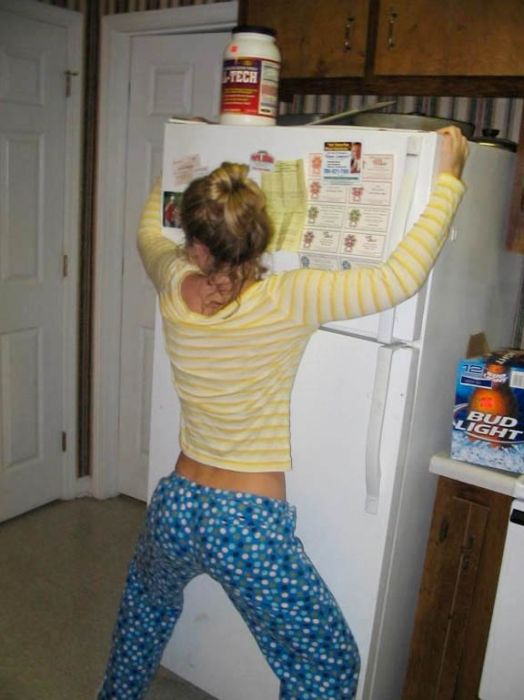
x=489, y=138
x=338, y=118
x=410, y=121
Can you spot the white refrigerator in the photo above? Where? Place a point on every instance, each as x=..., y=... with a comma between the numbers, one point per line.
x=372, y=401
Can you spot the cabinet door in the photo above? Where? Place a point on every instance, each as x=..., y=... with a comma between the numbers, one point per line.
x=316, y=39
x=457, y=593
x=446, y=37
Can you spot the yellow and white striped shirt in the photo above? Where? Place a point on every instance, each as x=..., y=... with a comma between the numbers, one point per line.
x=234, y=371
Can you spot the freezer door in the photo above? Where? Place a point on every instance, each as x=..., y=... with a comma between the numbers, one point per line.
x=339, y=407
x=394, y=192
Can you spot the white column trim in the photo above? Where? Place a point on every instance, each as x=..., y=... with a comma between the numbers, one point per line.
x=117, y=31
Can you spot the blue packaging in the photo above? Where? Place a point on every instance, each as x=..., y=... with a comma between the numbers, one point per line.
x=488, y=417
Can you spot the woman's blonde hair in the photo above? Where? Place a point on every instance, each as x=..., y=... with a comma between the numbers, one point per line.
x=226, y=211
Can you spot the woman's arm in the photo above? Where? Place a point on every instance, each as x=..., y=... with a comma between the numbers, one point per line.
x=316, y=296
x=158, y=253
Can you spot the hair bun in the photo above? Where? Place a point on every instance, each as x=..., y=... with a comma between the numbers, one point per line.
x=226, y=211
x=227, y=179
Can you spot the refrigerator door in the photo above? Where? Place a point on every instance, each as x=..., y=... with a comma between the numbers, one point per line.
x=399, y=167
x=332, y=415
x=350, y=393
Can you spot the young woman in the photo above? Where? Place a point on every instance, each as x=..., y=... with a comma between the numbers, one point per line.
x=235, y=336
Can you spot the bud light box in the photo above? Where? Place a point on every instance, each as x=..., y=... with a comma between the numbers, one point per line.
x=488, y=419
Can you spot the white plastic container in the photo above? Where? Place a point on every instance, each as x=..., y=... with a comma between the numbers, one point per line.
x=250, y=76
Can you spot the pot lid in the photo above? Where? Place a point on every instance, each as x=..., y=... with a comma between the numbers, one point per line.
x=392, y=120
x=489, y=138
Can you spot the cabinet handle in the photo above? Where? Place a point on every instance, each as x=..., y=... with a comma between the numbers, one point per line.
x=348, y=36
x=393, y=15
x=443, y=531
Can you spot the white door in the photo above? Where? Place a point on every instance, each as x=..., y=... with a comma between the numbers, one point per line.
x=173, y=74
x=33, y=58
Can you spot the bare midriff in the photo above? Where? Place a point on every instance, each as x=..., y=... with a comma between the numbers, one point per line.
x=270, y=484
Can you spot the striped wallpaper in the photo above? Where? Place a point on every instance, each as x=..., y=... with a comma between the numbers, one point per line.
x=112, y=7
x=503, y=114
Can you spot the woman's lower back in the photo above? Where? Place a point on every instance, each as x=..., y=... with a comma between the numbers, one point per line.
x=269, y=484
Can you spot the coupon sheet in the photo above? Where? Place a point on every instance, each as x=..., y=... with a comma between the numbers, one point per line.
x=339, y=216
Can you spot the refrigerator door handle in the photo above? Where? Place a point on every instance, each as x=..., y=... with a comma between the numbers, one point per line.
x=398, y=229
x=375, y=426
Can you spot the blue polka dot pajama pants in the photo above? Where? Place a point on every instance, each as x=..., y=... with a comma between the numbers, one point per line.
x=247, y=544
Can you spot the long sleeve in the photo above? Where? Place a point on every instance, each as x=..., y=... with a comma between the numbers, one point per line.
x=314, y=297
x=158, y=253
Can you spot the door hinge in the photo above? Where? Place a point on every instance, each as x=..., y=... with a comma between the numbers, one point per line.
x=64, y=441
x=68, y=75
x=65, y=265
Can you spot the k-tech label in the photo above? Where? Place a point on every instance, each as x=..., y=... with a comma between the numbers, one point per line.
x=249, y=86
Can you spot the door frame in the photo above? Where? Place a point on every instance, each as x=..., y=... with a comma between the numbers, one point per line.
x=73, y=23
x=117, y=32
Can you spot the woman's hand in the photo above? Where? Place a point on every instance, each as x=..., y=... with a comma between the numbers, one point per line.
x=453, y=151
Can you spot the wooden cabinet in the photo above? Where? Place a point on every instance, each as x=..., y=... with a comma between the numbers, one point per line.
x=395, y=47
x=400, y=47
x=446, y=37
x=457, y=594
x=317, y=39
